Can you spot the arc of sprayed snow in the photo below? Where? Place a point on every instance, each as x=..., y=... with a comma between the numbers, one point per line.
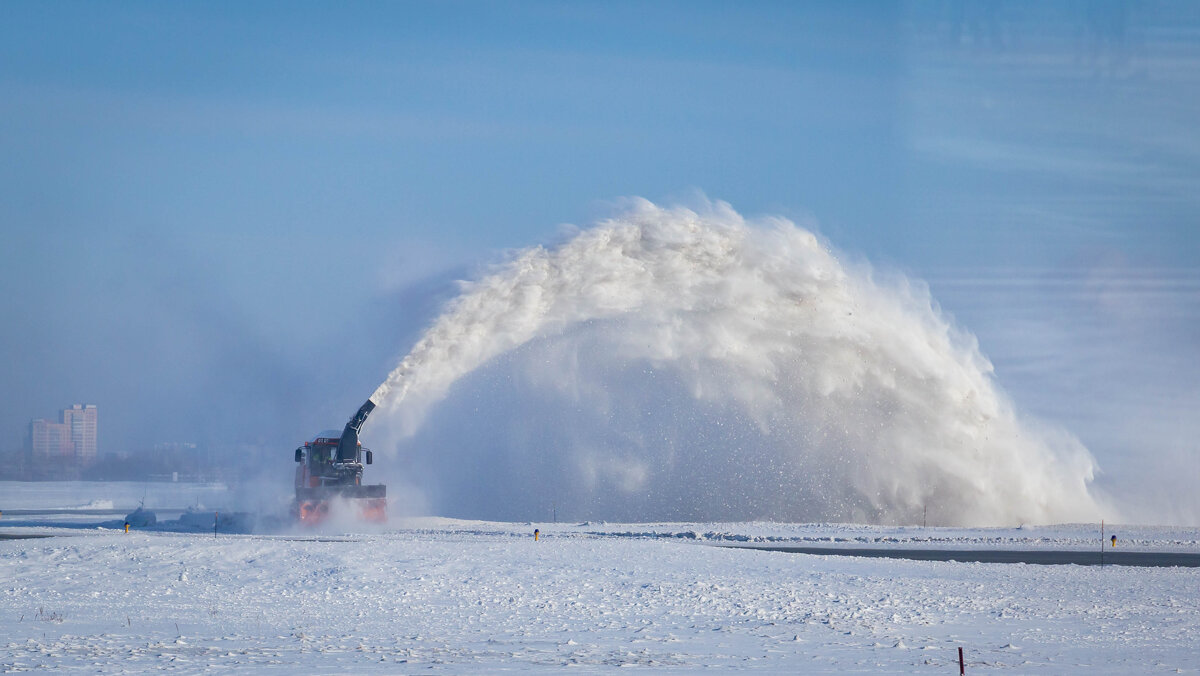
x=772, y=300
x=598, y=274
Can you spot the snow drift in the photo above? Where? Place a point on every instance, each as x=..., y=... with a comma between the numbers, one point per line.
x=692, y=364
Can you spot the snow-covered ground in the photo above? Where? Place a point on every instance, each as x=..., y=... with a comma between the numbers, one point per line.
x=438, y=595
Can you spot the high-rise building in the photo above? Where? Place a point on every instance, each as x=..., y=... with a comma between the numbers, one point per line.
x=81, y=419
x=51, y=441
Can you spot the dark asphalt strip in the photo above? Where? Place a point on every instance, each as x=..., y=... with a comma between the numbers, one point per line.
x=1036, y=557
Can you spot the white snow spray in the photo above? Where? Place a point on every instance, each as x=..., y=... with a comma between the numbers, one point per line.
x=756, y=377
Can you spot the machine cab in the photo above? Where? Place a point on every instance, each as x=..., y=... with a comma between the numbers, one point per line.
x=319, y=464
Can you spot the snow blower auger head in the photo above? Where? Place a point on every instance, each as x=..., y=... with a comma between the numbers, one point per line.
x=330, y=473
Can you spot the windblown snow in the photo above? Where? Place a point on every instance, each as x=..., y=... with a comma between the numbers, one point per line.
x=782, y=384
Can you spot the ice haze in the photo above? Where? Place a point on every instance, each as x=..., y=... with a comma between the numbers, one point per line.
x=786, y=386
x=225, y=223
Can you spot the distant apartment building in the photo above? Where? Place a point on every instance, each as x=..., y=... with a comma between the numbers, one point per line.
x=82, y=421
x=51, y=441
x=69, y=443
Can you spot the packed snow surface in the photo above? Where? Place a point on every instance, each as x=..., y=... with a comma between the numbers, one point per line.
x=435, y=595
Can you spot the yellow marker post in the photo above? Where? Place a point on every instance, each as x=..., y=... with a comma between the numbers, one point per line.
x=126, y=526
x=535, y=534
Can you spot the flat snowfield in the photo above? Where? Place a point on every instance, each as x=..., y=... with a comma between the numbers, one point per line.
x=443, y=596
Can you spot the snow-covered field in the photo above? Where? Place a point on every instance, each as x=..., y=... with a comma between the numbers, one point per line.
x=437, y=595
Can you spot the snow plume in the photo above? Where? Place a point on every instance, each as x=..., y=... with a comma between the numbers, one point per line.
x=670, y=364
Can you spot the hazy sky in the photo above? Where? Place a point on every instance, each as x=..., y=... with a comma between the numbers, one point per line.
x=228, y=220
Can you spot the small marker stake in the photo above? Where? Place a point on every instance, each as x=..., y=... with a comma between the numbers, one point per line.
x=962, y=668
x=126, y=526
x=535, y=534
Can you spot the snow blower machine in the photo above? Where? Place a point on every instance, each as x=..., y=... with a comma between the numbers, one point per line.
x=329, y=476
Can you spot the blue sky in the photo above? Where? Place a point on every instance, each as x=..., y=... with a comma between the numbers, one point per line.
x=235, y=208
